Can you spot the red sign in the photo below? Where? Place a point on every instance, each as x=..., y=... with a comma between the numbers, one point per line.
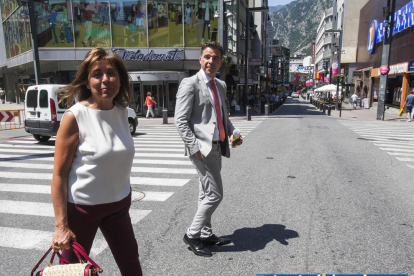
x=383, y=69
x=6, y=116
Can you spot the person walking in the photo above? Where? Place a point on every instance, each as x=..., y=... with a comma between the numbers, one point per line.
x=203, y=124
x=150, y=102
x=93, y=159
x=409, y=104
x=354, y=98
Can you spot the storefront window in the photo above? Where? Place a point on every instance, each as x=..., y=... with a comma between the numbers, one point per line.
x=129, y=23
x=54, y=23
x=91, y=23
x=231, y=21
x=200, y=25
x=16, y=33
x=165, y=23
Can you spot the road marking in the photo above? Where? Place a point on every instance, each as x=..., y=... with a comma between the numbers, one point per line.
x=26, y=165
x=402, y=150
x=405, y=159
x=25, y=239
x=26, y=146
x=164, y=155
x=400, y=154
x=412, y=167
x=158, y=181
x=162, y=162
x=149, y=141
x=28, y=151
x=157, y=149
x=26, y=208
x=163, y=170
x=156, y=196
x=26, y=157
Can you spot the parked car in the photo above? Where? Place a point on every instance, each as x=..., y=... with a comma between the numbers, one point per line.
x=43, y=113
x=295, y=95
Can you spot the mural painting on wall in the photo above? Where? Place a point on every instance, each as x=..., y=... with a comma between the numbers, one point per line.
x=7, y=7
x=92, y=26
x=16, y=33
x=200, y=24
x=53, y=23
x=129, y=23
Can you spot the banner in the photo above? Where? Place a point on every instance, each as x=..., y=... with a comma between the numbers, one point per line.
x=334, y=68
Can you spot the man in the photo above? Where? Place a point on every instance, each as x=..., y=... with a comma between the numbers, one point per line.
x=354, y=100
x=202, y=122
x=409, y=104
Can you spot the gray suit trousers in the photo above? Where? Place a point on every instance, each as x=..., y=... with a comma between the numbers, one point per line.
x=210, y=192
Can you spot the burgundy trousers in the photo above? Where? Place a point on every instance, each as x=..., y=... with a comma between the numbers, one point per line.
x=115, y=223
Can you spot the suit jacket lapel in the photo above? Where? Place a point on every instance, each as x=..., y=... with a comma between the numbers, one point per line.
x=204, y=88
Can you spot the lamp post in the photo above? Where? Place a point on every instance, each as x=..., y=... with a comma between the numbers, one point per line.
x=246, y=44
x=339, y=63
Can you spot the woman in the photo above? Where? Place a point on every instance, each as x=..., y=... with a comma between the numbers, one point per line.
x=93, y=159
x=150, y=102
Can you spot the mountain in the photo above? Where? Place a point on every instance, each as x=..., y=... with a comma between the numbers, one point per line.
x=275, y=9
x=296, y=23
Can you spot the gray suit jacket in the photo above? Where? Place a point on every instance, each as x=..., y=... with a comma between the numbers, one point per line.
x=195, y=117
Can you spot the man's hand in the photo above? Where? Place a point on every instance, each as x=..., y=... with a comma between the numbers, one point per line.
x=238, y=142
x=199, y=155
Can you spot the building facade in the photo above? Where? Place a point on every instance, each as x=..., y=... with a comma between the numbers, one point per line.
x=158, y=40
x=323, y=46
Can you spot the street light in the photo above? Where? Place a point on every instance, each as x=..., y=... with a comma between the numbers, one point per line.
x=339, y=65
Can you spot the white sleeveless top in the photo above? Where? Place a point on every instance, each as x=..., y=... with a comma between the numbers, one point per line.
x=103, y=160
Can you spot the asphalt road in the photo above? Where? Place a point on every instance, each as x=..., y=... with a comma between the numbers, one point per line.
x=305, y=193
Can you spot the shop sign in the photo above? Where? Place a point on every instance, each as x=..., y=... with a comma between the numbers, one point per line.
x=139, y=56
x=372, y=37
x=304, y=68
x=255, y=62
x=342, y=72
x=383, y=69
x=411, y=65
x=403, y=19
x=335, y=68
x=398, y=69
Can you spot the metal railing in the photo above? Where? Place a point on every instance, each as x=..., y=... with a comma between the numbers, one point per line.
x=11, y=119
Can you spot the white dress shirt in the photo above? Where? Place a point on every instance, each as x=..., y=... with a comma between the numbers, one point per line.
x=207, y=79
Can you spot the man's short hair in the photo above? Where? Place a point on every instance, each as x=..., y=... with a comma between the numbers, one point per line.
x=213, y=45
x=412, y=91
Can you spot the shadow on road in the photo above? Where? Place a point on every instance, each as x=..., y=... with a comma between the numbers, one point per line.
x=255, y=239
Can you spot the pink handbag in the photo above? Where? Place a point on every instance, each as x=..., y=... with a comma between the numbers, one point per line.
x=80, y=269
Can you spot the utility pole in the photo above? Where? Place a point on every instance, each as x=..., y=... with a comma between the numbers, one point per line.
x=385, y=57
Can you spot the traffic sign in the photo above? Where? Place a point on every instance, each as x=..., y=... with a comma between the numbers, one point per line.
x=6, y=116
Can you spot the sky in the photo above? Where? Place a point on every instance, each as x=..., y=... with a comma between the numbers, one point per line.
x=279, y=2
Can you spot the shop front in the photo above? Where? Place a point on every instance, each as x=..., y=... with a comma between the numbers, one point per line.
x=163, y=86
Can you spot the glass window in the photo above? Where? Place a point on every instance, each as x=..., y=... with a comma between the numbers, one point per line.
x=165, y=23
x=91, y=23
x=31, y=98
x=54, y=23
x=7, y=7
x=43, y=99
x=16, y=33
x=129, y=23
x=200, y=25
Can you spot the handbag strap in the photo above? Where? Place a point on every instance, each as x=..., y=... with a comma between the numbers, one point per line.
x=41, y=260
x=77, y=247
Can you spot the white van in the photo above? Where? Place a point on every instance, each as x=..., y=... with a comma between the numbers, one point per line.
x=43, y=113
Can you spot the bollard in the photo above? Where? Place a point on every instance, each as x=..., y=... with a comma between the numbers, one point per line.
x=165, y=116
x=266, y=110
x=310, y=99
x=249, y=113
x=323, y=108
x=329, y=110
x=317, y=104
x=270, y=108
x=320, y=105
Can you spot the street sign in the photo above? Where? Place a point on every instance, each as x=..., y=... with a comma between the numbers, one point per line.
x=6, y=116
x=255, y=62
x=342, y=72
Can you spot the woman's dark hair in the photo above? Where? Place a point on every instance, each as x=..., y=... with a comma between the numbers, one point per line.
x=77, y=89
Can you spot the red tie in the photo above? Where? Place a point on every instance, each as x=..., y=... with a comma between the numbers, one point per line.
x=218, y=112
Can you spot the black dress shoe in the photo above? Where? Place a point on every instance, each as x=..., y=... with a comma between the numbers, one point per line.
x=214, y=240
x=197, y=246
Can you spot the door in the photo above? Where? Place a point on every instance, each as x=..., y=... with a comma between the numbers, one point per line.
x=172, y=96
x=136, y=101
x=31, y=108
x=157, y=92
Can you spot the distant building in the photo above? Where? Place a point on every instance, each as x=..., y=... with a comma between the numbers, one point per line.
x=323, y=47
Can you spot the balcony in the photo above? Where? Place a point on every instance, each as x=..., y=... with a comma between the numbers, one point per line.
x=327, y=40
x=329, y=12
x=327, y=54
x=328, y=26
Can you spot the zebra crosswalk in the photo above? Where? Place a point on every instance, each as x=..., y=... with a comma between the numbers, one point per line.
x=397, y=139
x=159, y=170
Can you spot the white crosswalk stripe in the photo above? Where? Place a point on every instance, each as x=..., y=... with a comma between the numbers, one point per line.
x=26, y=168
x=395, y=138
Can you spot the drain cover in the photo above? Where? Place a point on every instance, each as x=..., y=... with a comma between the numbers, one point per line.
x=137, y=196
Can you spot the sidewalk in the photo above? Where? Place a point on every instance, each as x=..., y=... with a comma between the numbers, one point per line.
x=11, y=106
x=361, y=114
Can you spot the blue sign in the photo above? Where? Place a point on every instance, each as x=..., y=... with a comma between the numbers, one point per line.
x=411, y=65
x=372, y=40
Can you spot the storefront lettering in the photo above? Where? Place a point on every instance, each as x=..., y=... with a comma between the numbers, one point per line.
x=151, y=56
x=398, y=69
x=403, y=19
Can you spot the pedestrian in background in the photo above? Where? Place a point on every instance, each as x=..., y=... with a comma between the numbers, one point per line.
x=354, y=98
x=150, y=103
x=93, y=159
x=202, y=122
x=409, y=104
